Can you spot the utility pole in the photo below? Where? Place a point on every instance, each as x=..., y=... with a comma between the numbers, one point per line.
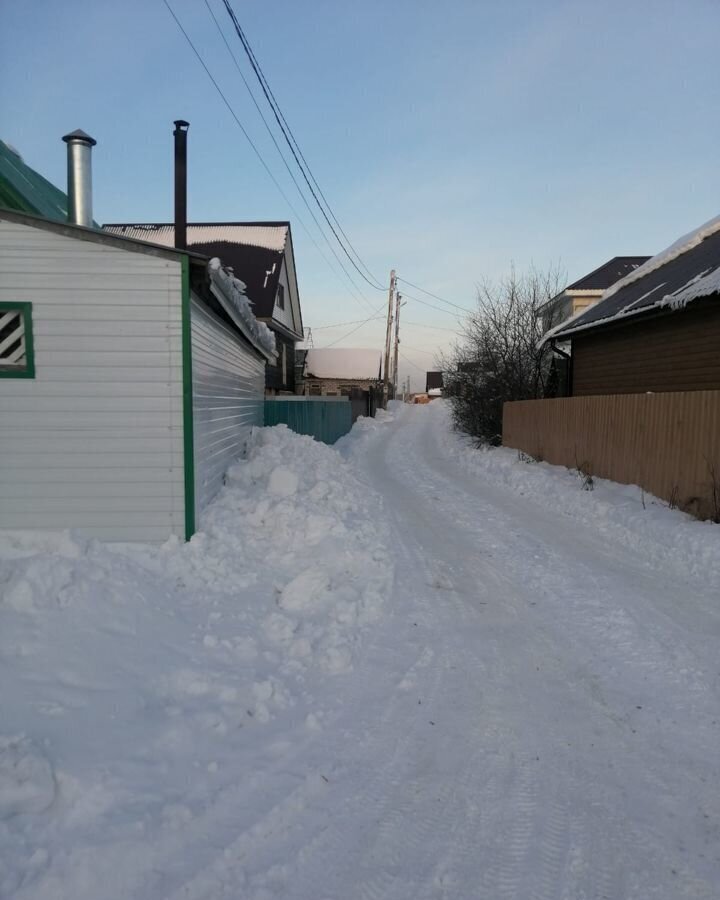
x=388, y=335
x=398, y=298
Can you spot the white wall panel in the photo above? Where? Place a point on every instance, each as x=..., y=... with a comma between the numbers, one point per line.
x=228, y=399
x=95, y=440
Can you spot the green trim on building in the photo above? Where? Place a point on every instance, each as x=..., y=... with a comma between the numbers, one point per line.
x=188, y=435
x=29, y=370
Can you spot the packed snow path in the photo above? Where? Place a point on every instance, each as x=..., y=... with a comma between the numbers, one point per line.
x=535, y=716
x=538, y=718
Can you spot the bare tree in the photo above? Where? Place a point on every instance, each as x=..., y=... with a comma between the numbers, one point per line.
x=500, y=358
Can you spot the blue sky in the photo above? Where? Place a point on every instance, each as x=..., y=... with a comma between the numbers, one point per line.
x=451, y=138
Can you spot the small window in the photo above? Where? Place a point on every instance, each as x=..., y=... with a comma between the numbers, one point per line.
x=281, y=296
x=315, y=390
x=17, y=359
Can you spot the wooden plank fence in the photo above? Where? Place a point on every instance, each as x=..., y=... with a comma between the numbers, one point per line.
x=668, y=443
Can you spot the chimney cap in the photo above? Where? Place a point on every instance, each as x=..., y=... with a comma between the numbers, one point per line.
x=181, y=123
x=79, y=135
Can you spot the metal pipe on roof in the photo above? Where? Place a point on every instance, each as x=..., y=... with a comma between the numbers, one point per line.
x=180, y=134
x=79, y=177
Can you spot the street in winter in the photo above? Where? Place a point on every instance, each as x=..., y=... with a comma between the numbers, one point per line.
x=359, y=451
x=486, y=683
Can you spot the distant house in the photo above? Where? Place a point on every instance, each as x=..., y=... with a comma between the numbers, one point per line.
x=657, y=329
x=334, y=372
x=261, y=256
x=586, y=290
x=434, y=382
x=645, y=382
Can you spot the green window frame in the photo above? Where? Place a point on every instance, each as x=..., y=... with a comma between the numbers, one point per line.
x=17, y=349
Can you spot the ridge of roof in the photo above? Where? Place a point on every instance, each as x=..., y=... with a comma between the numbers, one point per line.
x=615, y=261
x=686, y=270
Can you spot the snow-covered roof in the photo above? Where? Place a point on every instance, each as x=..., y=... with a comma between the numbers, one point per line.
x=230, y=291
x=269, y=235
x=340, y=362
x=689, y=268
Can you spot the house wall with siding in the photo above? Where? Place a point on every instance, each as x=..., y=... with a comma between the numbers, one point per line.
x=228, y=399
x=679, y=351
x=95, y=440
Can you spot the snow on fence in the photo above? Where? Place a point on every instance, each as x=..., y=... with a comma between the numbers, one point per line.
x=668, y=443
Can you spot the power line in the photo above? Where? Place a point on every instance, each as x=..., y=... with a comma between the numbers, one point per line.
x=342, y=324
x=435, y=296
x=433, y=327
x=285, y=162
x=410, y=362
x=292, y=144
x=433, y=306
x=337, y=341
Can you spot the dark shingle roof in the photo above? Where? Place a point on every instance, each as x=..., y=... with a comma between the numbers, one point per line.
x=670, y=280
x=613, y=270
x=254, y=250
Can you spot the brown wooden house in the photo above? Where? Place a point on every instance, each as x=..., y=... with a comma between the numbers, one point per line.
x=644, y=382
x=657, y=329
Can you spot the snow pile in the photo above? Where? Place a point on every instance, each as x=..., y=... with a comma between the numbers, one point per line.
x=664, y=539
x=138, y=684
x=233, y=290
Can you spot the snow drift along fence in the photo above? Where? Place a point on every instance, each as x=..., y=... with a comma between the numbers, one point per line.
x=324, y=418
x=667, y=443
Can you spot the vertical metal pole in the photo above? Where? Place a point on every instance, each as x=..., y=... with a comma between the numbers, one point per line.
x=180, y=135
x=398, y=297
x=388, y=335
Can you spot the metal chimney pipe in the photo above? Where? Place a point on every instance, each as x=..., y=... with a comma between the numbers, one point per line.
x=79, y=177
x=180, y=135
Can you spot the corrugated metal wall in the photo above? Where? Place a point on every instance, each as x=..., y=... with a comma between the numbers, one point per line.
x=667, y=442
x=94, y=441
x=228, y=394
x=322, y=418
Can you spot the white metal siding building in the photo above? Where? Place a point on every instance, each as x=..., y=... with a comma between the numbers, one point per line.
x=125, y=398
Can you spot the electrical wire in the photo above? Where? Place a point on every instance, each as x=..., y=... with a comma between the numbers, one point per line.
x=410, y=362
x=337, y=341
x=343, y=324
x=292, y=144
x=434, y=296
x=433, y=306
x=433, y=327
x=357, y=295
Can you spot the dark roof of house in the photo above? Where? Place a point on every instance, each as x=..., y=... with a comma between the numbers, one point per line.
x=688, y=269
x=608, y=273
x=433, y=380
x=254, y=250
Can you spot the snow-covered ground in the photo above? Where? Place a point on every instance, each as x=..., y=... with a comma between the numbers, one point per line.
x=404, y=668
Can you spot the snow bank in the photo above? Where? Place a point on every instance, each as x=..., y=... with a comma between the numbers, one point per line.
x=138, y=684
x=667, y=539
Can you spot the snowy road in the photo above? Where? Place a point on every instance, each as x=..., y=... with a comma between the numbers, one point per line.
x=533, y=713
x=541, y=719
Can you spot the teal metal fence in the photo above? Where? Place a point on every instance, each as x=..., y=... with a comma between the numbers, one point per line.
x=326, y=419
